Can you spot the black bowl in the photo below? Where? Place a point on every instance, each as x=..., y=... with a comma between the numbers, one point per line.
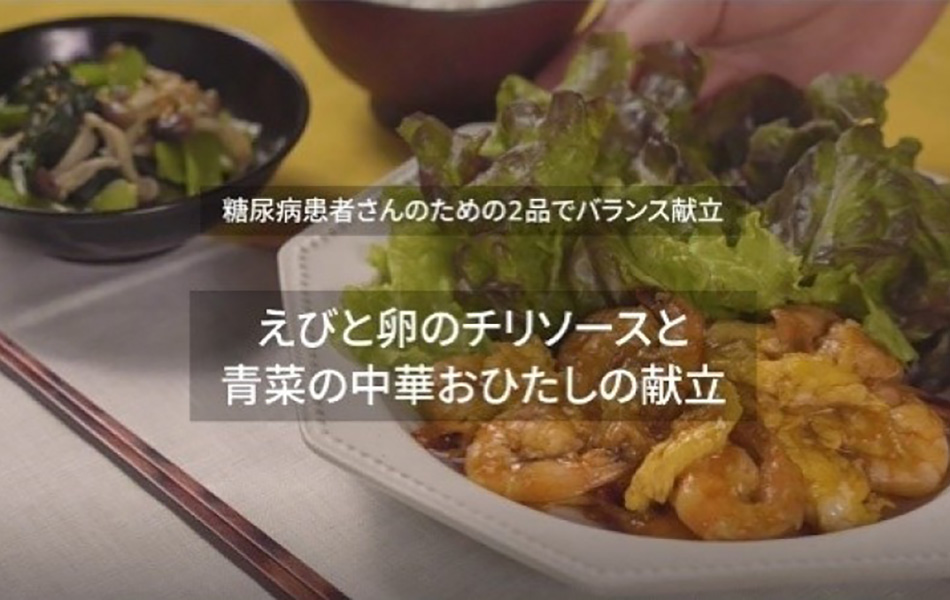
x=254, y=83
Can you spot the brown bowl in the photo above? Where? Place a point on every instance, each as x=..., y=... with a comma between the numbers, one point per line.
x=444, y=62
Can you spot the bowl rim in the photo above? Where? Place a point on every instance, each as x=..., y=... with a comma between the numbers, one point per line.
x=501, y=6
x=302, y=118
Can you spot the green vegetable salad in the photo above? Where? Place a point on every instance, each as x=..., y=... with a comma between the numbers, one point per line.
x=820, y=210
x=114, y=134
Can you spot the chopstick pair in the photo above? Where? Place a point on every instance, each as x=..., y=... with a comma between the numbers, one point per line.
x=284, y=575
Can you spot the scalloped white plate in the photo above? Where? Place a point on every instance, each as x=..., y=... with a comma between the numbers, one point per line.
x=915, y=545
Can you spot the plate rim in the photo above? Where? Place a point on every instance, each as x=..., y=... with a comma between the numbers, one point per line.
x=505, y=532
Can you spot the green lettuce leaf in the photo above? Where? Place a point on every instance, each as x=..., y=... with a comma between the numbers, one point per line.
x=817, y=209
x=447, y=159
x=856, y=203
x=848, y=100
x=842, y=290
x=516, y=88
x=522, y=106
x=414, y=272
x=774, y=148
x=652, y=138
x=669, y=75
x=729, y=120
x=750, y=277
x=604, y=63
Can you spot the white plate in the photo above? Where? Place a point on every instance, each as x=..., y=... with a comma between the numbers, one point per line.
x=914, y=545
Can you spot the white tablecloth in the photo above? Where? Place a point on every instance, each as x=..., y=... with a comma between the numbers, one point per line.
x=73, y=526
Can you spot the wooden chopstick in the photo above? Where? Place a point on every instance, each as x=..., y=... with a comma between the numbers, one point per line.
x=284, y=575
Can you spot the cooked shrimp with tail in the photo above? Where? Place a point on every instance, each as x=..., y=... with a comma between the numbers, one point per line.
x=727, y=496
x=540, y=454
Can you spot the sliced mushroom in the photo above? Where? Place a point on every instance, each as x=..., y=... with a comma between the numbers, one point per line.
x=156, y=75
x=136, y=132
x=144, y=148
x=9, y=145
x=131, y=108
x=68, y=182
x=212, y=101
x=117, y=144
x=143, y=97
x=172, y=126
x=81, y=148
x=147, y=190
x=115, y=111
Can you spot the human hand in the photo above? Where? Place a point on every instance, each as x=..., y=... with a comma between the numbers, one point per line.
x=797, y=40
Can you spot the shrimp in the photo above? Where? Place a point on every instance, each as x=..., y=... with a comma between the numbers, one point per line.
x=800, y=399
x=850, y=347
x=695, y=436
x=798, y=328
x=854, y=432
x=726, y=496
x=903, y=451
x=803, y=400
x=838, y=494
x=540, y=454
x=452, y=425
x=899, y=441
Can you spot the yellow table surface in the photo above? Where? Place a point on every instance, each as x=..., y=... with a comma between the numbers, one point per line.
x=343, y=145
